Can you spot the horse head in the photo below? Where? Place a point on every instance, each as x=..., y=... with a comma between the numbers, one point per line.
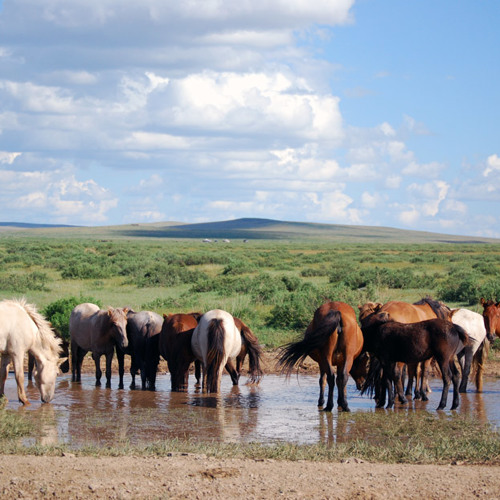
x=367, y=310
x=45, y=373
x=118, y=320
x=491, y=316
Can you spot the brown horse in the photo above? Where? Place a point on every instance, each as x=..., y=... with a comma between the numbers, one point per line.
x=390, y=342
x=175, y=347
x=491, y=316
x=333, y=338
x=403, y=312
x=98, y=331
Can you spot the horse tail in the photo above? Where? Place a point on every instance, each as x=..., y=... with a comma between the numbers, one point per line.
x=48, y=338
x=296, y=352
x=215, y=353
x=254, y=351
x=478, y=363
x=373, y=379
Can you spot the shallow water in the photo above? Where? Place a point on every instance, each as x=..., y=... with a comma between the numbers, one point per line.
x=276, y=410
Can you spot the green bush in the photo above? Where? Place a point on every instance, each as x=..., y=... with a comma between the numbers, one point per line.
x=21, y=283
x=58, y=313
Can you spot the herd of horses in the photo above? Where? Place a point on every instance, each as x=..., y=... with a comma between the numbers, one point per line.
x=391, y=342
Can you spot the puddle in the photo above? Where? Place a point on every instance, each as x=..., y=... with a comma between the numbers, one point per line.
x=276, y=410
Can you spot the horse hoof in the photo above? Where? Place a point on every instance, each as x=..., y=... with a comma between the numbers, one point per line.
x=108, y=386
x=119, y=387
x=328, y=408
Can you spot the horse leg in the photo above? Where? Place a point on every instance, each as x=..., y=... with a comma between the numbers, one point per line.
x=446, y=376
x=74, y=360
x=412, y=376
x=389, y=385
x=455, y=377
x=80, y=354
x=330, y=377
x=234, y=374
x=18, y=363
x=4, y=371
x=322, y=384
x=109, y=360
x=120, y=356
x=197, y=371
x=31, y=365
x=466, y=353
x=424, y=367
x=98, y=372
x=133, y=371
x=342, y=377
x=398, y=382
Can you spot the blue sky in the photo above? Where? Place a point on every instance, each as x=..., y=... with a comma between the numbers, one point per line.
x=336, y=111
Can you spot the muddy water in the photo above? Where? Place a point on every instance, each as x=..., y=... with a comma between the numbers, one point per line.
x=276, y=410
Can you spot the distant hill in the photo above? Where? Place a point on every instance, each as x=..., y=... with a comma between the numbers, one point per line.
x=241, y=229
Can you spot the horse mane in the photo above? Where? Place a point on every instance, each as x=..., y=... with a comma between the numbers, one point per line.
x=215, y=352
x=254, y=351
x=48, y=338
x=440, y=310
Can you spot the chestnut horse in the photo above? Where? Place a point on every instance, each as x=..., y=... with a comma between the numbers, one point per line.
x=403, y=312
x=333, y=338
x=174, y=344
x=99, y=331
x=214, y=341
x=390, y=342
x=491, y=316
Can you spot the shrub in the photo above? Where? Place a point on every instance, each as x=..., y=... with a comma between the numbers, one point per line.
x=58, y=313
x=21, y=283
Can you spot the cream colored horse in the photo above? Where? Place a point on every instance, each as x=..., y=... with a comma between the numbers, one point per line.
x=214, y=341
x=23, y=329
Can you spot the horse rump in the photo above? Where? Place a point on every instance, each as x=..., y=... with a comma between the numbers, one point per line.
x=296, y=352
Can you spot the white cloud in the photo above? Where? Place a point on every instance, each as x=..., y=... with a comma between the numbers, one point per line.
x=7, y=157
x=492, y=165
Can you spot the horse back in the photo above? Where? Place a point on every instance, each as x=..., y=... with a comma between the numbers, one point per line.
x=175, y=336
x=83, y=322
x=17, y=329
x=403, y=312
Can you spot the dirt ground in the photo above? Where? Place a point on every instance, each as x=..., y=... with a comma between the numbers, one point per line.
x=197, y=476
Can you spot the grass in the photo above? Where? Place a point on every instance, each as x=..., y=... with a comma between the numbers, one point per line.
x=393, y=437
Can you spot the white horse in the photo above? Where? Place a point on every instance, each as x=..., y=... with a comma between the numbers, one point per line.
x=23, y=329
x=214, y=341
x=475, y=353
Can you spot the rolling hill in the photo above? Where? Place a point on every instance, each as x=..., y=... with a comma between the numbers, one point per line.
x=239, y=229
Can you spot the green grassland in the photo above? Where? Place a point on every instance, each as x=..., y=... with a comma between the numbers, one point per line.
x=274, y=285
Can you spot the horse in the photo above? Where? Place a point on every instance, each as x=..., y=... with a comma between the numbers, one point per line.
x=475, y=353
x=143, y=329
x=215, y=339
x=99, y=331
x=23, y=329
x=64, y=366
x=491, y=316
x=333, y=338
x=390, y=342
x=249, y=345
x=174, y=345
x=403, y=312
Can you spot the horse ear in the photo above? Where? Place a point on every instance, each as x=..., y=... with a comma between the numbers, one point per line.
x=110, y=311
x=483, y=302
x=165, y=316
x=126, y=310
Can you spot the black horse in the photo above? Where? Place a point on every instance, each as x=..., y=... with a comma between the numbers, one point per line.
x=390, y=342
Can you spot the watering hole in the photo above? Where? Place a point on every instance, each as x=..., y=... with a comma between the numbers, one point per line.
x=275, y=410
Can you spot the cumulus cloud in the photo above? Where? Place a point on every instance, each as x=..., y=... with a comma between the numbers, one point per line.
x=492, y=165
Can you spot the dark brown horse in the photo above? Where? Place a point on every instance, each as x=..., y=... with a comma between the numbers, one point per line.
x=174, y=343
x=403, y=312
x=390, y=343
x=491, y=316
x=333, y=338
